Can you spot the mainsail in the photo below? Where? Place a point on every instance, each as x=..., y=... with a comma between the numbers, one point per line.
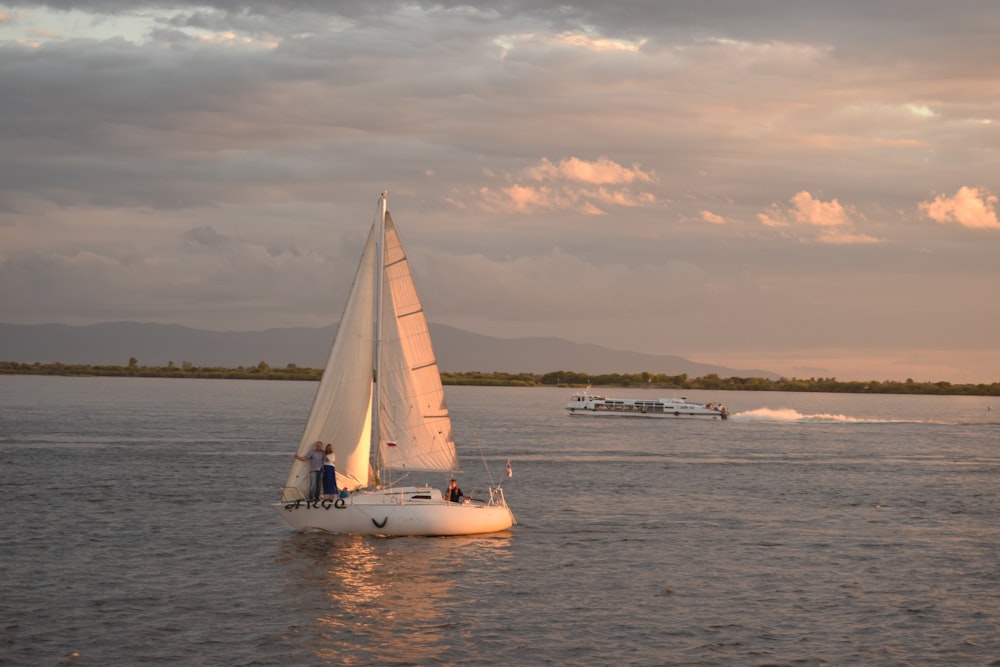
x=413, y=415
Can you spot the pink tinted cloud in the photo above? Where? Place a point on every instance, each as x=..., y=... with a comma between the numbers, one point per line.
x=528, y=198
x=831, y=217
x=970, y=207
x=568, y=186
x=599, y=172
x=713, y=218
x=812, y=211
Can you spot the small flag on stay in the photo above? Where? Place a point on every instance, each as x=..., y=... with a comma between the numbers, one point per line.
x=510, y=473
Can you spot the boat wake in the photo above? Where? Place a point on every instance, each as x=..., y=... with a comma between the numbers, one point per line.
x=793, y=416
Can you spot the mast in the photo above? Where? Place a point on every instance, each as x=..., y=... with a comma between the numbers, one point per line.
x=376, y=453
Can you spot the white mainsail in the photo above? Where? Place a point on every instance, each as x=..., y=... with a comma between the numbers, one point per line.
x=415, y=429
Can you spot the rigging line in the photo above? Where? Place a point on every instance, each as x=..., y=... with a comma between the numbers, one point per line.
x=482, y=455
x=489, y=473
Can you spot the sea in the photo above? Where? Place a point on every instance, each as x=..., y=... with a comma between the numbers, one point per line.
x=808, y=529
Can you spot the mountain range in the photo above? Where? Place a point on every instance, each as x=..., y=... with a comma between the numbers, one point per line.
x=114, y=343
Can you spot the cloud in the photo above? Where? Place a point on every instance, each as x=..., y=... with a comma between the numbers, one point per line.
x=807, y=213
x=812, y=211
x=970, y=207
x=568, y=186
x=573, y=39
x=477, y=286
x=713, y=218
x=204, y=236
x=601, y=171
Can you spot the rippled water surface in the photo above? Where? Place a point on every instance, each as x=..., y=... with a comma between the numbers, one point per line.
x=808, y=529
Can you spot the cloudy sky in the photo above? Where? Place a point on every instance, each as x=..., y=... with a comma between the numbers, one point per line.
x=806, y=187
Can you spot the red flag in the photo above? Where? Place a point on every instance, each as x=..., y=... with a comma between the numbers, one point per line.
x=510, y=473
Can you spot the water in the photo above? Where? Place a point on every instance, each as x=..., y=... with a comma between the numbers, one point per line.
x=808, y=529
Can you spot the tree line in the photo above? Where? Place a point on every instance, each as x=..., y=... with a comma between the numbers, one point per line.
x=263, y=371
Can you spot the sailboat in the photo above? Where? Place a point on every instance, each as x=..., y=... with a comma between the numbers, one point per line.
x=381, y=405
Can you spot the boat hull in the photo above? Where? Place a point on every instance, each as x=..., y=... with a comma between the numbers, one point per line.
x=394, y=514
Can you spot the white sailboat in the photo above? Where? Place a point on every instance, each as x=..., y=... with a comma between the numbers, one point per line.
x=381, y=404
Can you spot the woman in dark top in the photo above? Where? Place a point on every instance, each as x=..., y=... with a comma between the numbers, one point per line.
x=453, y=493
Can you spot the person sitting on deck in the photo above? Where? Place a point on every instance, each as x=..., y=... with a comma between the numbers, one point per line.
x=453, y=493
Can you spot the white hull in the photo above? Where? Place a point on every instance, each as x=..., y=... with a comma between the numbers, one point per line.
x=398, y=512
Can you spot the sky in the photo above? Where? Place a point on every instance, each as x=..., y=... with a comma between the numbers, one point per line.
x=799, y=186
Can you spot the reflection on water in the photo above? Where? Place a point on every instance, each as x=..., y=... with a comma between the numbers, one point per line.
x=388, y=600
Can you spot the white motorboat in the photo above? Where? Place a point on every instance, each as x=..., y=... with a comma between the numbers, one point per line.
x=592, y=405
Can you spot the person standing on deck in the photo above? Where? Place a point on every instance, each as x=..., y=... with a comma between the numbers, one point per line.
x=329, y=473
x=315, y=459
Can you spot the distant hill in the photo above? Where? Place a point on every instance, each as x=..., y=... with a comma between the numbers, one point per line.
x=113, y=343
